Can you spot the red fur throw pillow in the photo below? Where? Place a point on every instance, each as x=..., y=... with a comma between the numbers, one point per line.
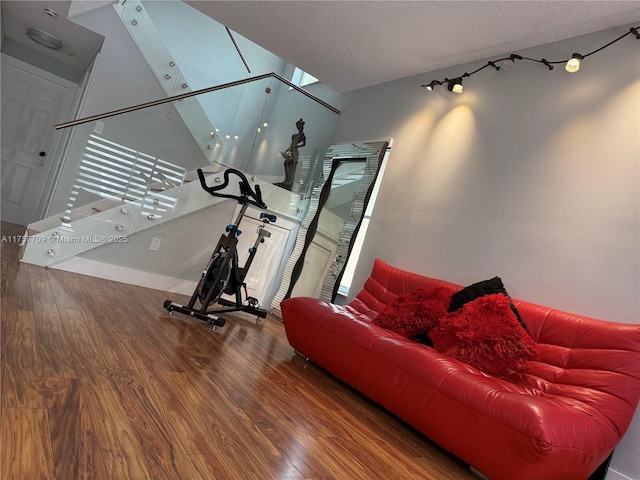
x=485, y=334
x=415, y=312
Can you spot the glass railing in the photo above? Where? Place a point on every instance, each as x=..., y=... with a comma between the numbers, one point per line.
x=186, y=49
x=135, y=168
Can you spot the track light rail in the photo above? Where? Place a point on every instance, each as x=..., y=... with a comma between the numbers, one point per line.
x=572, y=64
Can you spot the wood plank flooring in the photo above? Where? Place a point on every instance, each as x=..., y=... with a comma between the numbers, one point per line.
x=98, y=382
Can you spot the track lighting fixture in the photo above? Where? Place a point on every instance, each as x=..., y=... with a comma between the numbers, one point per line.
x=507, y=64
x=571, y=65
x=455, y=85
x=432, y=84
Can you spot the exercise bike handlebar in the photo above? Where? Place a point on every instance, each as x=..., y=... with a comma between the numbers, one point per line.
x=247, y=194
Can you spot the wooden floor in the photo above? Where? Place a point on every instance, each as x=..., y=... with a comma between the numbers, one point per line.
x=98, y=382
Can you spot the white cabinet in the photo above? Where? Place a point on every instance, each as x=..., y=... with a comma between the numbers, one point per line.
x=317, y=260
x=265, y=274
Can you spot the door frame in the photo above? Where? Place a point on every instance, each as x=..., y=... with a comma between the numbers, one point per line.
x=66, y=135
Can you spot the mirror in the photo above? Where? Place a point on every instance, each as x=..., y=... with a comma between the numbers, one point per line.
x=336, y=208
x=322, y=253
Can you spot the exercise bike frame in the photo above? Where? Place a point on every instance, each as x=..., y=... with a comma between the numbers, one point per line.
x=226, y=249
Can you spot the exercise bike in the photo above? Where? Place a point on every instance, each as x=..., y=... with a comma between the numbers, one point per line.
x=223, y=273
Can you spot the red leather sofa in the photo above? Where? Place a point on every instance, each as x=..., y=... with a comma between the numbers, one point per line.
x=559, y=417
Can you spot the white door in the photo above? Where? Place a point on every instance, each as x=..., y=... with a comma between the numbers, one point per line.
x=263, y=278
x=33, y=101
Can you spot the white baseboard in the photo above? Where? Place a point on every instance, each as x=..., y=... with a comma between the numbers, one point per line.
x=126, y=275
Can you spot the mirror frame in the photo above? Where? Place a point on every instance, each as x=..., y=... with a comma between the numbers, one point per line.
x=372, y=153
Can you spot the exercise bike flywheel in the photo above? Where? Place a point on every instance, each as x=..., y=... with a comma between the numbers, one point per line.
x=216, y=277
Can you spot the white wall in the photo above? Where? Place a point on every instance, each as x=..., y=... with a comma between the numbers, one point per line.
x=530, y=174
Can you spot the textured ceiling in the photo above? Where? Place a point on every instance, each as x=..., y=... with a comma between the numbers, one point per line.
x=354, y=44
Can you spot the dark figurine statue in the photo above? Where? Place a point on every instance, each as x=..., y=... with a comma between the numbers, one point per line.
x=290, y=156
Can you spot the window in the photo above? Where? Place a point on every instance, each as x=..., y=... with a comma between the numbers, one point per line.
x=302, y=78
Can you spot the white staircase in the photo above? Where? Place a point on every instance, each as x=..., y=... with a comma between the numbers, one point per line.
x=132, y=191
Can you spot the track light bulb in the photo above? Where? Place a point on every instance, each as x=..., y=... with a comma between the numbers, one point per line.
x=507, y=64
x=455, y=85
x=573, y=65
x=431, y=85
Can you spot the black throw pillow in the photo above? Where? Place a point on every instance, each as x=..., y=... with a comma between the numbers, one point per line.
x=424, y=339
x=480, y=289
